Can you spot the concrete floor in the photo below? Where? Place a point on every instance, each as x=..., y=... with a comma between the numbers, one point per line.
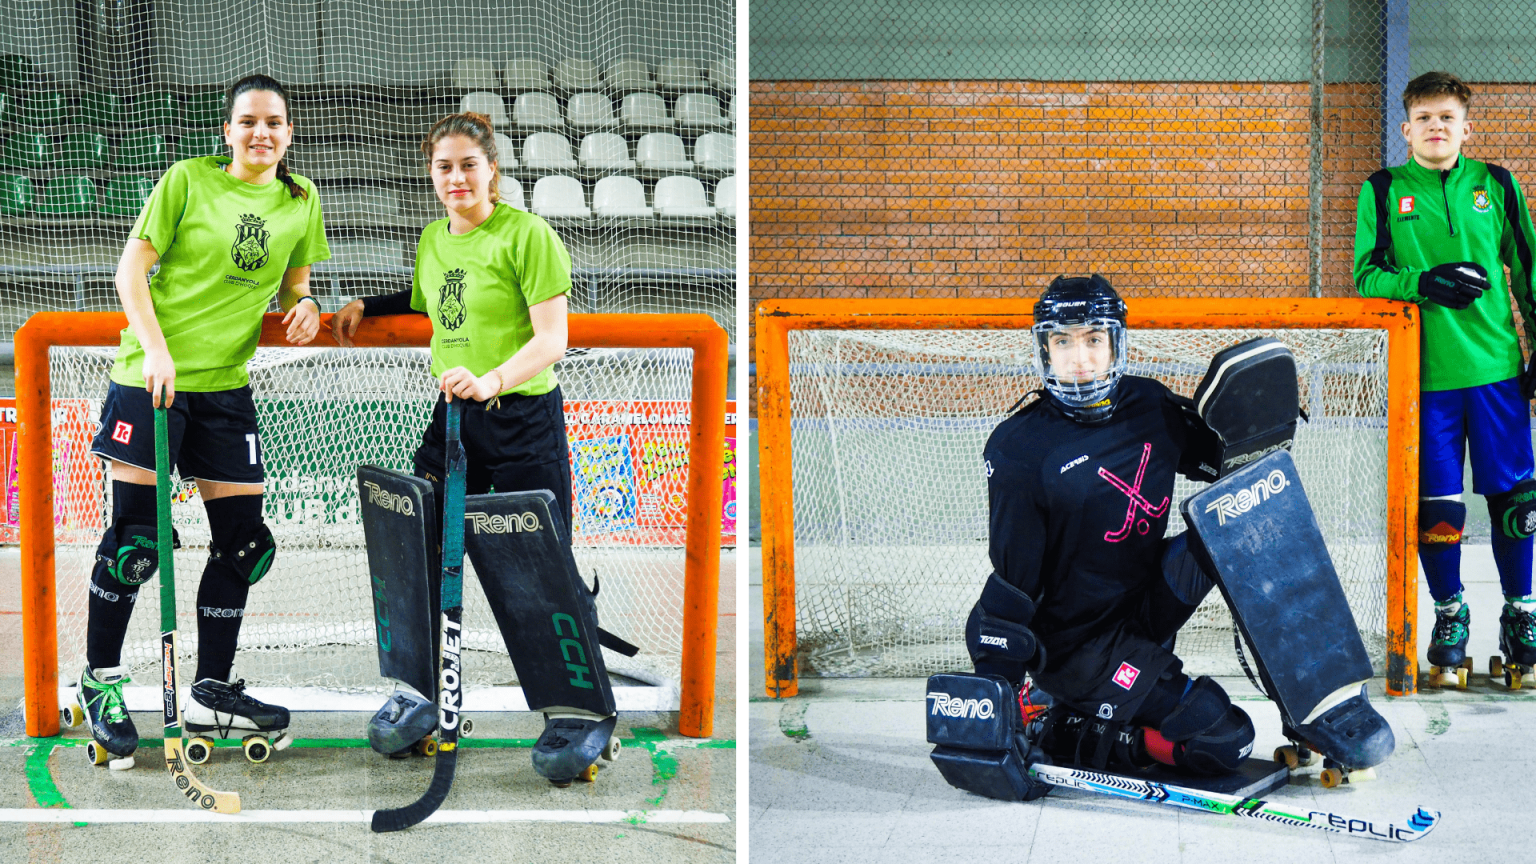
x=331, y=769
x=841, y=774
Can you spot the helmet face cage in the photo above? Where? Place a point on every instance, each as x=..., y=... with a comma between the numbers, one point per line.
x=1073, y=393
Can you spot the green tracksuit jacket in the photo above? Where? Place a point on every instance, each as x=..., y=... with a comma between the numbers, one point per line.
x=1410, y=219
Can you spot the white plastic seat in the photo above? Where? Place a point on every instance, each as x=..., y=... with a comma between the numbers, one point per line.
x=605, y=151
x=558, y=197
x=512, y=192
x=590, y=111
x=715, y=151
x=698, y=109
x=730, y=111
x=682, y=197
x=577, y=74
x=620, y=197
x=725, y=196
x=475, y=73
x=526, y=73
x=662, y=151
x=629, y=73
x=679, y=73
x=488, y=104
x=722, y=73
x=548, y=151
x=363, y=204
x=645, y=111
x=537, y=110
x=506, y=158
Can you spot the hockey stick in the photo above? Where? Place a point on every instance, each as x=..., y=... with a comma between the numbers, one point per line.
x=181, y=772
x=450, y=681
x=1418, y=824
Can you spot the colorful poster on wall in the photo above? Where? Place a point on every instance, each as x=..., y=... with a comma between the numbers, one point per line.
x=603, y=485
x=78, y=510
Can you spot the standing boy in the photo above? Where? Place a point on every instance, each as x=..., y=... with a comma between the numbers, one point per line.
x=1438, y=231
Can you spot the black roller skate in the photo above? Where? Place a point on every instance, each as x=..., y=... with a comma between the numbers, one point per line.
x=1517, y=642
x=99, y=702
x=404, y=725
x=225, y=711
x=1350, y=735
x=571, y=744
x=1449, y=663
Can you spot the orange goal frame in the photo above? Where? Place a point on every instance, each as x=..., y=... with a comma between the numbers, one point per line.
x=775, y=318
x=706, y=443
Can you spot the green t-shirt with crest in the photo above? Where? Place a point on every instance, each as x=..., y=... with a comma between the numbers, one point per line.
x=476, y=288
x=224, y=246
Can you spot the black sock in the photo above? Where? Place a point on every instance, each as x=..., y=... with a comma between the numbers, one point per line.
x=222, y=593
x=110, y=603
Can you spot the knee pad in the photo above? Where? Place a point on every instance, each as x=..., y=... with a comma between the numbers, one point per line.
x=131, y=551
x=1209, y=734
x=1441, y=522
x=249, y=557
x=997, y=631
x=1514, y=512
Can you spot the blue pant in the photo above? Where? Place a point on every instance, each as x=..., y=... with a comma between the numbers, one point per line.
x=1494, y=423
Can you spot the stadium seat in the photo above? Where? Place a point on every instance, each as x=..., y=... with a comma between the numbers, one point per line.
x=557, y=197
x=722, y=73
x=526, y=73
x=205, y=109
x=101, y=109
x=475, y=73
x=629, y=73
x=84, y=150
x=682, y=197
x=155, y=108
x=537, y=110
x=67, y=196
x=577, y=74
x=662, y=151
x=715, y=151
x=725, y=196
x=15, y=71
x=590, y=111
x=488, y=104
x=195, y=144
x=605, y=151
x=506, y=157
x=679, y=73
x=645, y=111
x=730, y=111
x=141, y=151
x=512, y=193
x=362, y=204
x=28, y=150
x=15, y=194
x=620, y=197
x=547, y=151
x=125, y=196
x=45, y=108
x=698, y=110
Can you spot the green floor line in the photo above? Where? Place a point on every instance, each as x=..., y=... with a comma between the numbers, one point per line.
x=40, y=781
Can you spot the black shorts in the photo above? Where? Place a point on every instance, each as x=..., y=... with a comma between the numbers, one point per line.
x=212, y=436
x=518, y=445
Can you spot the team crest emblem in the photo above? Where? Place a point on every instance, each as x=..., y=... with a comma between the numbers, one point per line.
x=250, y=249
x=450, y=309
x=1480, y=201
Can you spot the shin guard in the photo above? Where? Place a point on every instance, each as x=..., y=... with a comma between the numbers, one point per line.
x=398, y=527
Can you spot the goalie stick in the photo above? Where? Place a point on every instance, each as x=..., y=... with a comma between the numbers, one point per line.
x=1417, y=825
x=181, y=771
x=450, y=678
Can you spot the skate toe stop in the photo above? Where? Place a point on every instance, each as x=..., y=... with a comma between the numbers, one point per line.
x=122, y=764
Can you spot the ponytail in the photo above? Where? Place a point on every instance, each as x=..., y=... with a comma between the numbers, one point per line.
x=268, y=84
x=475, y=127
x=294, y=189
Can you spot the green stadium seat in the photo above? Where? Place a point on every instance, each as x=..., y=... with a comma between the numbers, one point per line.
x=200, y=144
x=15, y=194
x=156, y=108
x=125, y=196
x=15, y=71
x=28, y=150
x=44, y=108
x=101, y=109
x=141, y=151
x=67, y=196
x=84, y=150
x=205, y=109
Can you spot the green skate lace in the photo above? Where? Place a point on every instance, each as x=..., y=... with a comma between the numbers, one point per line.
x=111, y=694
x=1524, y=626
x=1448, y=629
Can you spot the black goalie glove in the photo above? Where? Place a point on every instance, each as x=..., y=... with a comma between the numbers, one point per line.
x=1454, y=286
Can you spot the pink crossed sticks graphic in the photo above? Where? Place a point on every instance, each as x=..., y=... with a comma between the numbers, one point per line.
x=1137, y=502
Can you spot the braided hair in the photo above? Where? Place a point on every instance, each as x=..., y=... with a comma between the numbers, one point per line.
x=475, y=127
x=267, y=84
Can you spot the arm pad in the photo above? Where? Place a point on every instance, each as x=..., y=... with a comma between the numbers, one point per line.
x=997, y=634
x=398, y=303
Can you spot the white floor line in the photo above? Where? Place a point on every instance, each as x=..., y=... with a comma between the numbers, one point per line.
x=364, y=816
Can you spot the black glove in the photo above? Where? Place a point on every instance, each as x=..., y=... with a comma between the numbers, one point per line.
x=1454, y=286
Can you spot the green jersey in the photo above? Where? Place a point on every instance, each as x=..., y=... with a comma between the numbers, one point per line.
x=476, y=288
x=1410, y=219
x=224, y=246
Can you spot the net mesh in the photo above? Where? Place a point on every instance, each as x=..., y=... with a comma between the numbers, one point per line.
x=890, y=500
x=322, y=412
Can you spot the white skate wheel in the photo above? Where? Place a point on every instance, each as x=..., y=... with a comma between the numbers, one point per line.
x=611, y=752
x=282, y=741
x=122, y=764
x=466, y=726
x=256, y=749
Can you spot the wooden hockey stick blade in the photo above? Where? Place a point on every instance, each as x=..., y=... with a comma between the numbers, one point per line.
x=192, y=788
x=411, y=814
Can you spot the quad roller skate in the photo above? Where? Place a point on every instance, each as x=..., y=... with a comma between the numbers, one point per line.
x=571, y=744
x=405, y=723
x=1449, y=663
x=223, y=710
x=1517, y=643
x=99, y=702
x=1349, y=736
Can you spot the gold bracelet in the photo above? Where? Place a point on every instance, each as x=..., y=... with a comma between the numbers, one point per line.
x=501, y=381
